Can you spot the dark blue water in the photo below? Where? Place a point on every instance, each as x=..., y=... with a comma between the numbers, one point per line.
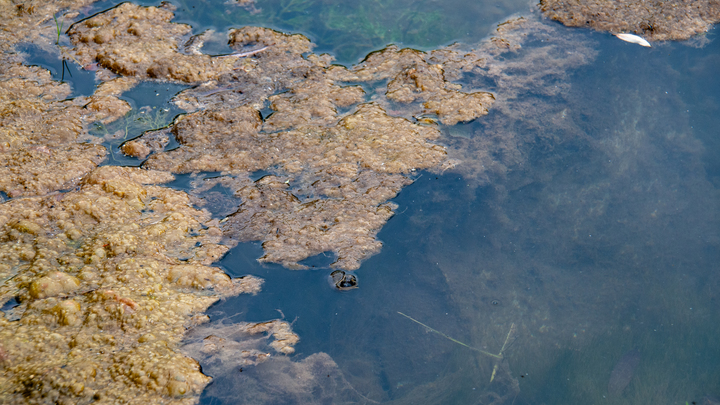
x=62, y=70
x=599, y=244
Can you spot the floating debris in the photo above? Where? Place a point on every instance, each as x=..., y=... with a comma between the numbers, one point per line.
x=634, y=39
x=244, y=54
x=343, y=281
x=194, y=43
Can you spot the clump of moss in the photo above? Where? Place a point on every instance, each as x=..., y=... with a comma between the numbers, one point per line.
x=656, y=21
x=322, y=131
x=108, y=277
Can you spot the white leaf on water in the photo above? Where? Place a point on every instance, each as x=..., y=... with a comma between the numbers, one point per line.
x=633, y=39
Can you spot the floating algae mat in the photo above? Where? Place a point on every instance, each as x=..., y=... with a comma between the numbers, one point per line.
x=270, y=202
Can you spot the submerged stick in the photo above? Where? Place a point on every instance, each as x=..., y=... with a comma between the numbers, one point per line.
x=455, y=340
x=504, y=346
x=507, y=338
x=498, y=356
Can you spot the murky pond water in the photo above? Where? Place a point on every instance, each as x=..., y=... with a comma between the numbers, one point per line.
x=582, y=265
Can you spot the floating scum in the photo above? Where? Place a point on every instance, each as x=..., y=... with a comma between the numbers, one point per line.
x=335, y=157
x=104, y=269
x=107, y=280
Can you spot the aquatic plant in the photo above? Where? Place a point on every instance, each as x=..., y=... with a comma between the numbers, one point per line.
x=58, y=28
x=135, y=122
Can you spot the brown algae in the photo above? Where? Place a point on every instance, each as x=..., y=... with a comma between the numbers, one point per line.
x=654, y=20
x=337, y=158
x=107, y=278
x=38, y=132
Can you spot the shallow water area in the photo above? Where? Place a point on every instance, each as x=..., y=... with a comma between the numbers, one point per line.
x=350, y=30
x=152, y=110
x=82, y=81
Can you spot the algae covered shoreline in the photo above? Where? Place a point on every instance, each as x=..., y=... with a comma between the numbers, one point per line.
x=104, y=269
x=107, y=272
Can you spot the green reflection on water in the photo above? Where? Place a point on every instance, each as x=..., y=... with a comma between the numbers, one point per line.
x=351, y=29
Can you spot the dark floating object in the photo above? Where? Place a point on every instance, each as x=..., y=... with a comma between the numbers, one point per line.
x=11, y=310
x=10, y=304
x=343, y=281
x=623, y=372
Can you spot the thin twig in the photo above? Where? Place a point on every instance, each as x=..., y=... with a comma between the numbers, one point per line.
x=507, y=339
x=243, y=54
x=455, y=340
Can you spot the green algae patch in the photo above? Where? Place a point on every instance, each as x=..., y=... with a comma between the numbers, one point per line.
x=293, y=230
x=40, y=129
x=654, y=20
x=168, y=50
x=32, y=21
x=343, y=174
x=108, y=277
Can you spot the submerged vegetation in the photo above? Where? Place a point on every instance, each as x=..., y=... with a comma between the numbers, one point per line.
x=58, y=28
x=135, y=122
x=677, y=359
x=349, y=30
